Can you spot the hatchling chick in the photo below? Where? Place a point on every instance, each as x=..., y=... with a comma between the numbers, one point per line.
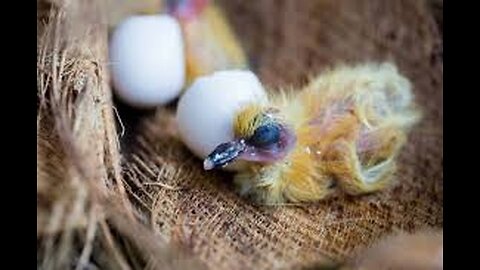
x=343, y=130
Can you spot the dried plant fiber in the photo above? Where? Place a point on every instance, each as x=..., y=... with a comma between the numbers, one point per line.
x=102, y=206
x=84, y=219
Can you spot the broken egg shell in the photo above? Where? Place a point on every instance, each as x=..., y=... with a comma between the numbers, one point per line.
x=206, y=111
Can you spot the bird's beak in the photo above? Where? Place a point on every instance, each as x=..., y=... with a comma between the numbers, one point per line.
x=224, y=154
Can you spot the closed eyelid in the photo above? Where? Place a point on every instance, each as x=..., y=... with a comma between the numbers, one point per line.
x=265, y=135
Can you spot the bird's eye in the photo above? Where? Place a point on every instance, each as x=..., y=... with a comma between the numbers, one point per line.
x=265, y=135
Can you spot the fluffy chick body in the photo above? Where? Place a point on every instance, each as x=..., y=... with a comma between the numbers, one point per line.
x=349, y=124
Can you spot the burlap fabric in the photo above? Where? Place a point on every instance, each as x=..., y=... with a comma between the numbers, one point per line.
x=287, y=41
x=84, y=220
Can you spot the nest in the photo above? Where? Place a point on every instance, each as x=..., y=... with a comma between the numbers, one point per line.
x=116, y=188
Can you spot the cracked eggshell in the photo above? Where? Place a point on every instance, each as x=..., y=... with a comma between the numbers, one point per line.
x=147, y=60
x=206, y=111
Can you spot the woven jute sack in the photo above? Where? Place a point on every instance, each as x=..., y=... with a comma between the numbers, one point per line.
x=84, y=218
x=121, y=191
x=287, y=41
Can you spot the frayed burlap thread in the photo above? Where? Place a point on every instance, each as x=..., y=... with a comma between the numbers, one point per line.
x=84, y=219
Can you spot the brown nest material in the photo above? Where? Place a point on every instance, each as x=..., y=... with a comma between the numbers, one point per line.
x=92, y=206
x=84, y=219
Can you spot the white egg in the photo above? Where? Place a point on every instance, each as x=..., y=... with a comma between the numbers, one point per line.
x=206, y=111
x=147, y=60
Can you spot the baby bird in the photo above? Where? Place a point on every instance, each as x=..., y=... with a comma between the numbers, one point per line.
x=343, y=129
